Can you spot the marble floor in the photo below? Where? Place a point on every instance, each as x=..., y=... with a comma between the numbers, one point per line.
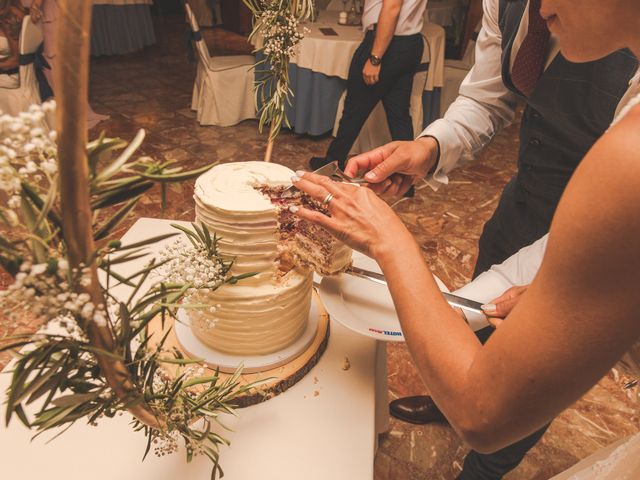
x=152, y=90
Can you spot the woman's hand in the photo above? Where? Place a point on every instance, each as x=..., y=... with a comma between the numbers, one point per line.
x=358, y=217
x=35, y=11
x=499, y=308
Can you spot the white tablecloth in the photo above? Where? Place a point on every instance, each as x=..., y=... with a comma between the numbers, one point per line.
x=331, y=55
x=321, y=428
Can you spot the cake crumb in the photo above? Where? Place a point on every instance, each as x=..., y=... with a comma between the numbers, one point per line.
x=346, y=365
x=316, y=393
x=315, y=380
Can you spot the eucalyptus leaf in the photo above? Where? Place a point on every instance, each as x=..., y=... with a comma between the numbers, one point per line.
x=30, y=215
x=148, y=241
x=122, y=159
x=115, y=220
x=75, y=399
x=120, y=195
x=176, y=177
x=37, y=200
x=181, y=361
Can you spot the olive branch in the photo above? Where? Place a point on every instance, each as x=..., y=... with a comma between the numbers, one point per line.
x=276, y=22
x=58, y=376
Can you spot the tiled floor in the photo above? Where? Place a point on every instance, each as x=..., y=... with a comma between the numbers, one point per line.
x=152, y=90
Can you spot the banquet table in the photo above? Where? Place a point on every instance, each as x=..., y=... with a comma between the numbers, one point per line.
x=121, y=26
x=319, y=70
x=441, y=12
x=324, y=427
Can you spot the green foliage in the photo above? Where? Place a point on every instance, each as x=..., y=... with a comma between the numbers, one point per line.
x=56, y=379
x=276, y=27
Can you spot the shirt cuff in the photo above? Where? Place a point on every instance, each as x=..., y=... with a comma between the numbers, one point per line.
x=449, y=152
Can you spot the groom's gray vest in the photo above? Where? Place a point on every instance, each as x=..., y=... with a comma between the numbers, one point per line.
x=572, y=105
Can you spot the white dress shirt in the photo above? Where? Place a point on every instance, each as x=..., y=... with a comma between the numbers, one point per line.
x=521, y=268
x=409, y=22
x=484, y=105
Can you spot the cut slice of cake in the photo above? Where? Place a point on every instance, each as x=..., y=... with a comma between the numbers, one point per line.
x=303, y=243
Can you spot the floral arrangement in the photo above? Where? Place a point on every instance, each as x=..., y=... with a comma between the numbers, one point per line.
x=93, y=358
x=277, y=23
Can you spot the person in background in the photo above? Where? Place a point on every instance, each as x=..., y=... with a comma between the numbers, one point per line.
x=382, y=69
x=46, y=11
x=579, y=316
x=11, y=15
x=568, y=106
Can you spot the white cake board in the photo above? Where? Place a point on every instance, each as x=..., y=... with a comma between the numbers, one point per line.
x=228, y=363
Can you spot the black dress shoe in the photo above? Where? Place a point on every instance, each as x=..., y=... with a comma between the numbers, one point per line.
x=318, y=162
x=418, y=410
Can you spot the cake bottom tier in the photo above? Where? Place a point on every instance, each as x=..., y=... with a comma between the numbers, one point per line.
x=254, y=319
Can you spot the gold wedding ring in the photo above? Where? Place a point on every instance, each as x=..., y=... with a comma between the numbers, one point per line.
x=327, y=199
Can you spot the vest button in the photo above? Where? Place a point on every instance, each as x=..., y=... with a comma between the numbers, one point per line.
x=534, y=141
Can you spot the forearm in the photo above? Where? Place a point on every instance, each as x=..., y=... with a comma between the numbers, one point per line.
x=386, y=26
x=442, y=345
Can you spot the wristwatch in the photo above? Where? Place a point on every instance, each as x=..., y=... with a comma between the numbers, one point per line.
x=375, y=60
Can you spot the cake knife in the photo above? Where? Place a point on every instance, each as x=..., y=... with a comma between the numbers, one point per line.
x=453, y=300
x=330, y=170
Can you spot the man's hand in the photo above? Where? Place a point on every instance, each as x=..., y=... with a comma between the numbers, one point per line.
x=371, y=73
x=394, y=167
x=499, y=308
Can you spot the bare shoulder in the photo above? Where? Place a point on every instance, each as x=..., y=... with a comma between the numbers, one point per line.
x=623, y=140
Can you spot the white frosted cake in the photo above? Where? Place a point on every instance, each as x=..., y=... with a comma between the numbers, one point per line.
x=265, y=313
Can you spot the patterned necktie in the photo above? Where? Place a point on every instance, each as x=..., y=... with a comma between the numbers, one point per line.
x=531, y=57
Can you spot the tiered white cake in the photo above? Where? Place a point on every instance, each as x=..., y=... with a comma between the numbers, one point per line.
x=267, y=312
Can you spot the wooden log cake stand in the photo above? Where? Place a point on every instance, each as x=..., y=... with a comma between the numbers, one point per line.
x=274, y=381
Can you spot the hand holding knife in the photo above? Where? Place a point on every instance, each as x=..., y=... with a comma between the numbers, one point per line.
x=332, y=171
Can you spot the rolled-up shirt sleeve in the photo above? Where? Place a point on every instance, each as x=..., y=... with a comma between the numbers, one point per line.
x=519, y=269
x=484, y=105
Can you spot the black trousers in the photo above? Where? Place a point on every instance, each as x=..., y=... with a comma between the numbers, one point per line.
x=393, y=88
x=521, y=218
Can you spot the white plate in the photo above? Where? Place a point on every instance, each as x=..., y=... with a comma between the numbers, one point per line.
x=361, y=305
x=229, y=363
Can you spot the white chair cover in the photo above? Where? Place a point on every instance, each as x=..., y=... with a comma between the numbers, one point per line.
x=16, y=100
x=204, y=16
x=223, y=89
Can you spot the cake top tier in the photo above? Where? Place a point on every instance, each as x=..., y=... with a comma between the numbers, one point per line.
x=231, y=186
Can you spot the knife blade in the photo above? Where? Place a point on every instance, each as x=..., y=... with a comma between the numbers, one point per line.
x=453, y=300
